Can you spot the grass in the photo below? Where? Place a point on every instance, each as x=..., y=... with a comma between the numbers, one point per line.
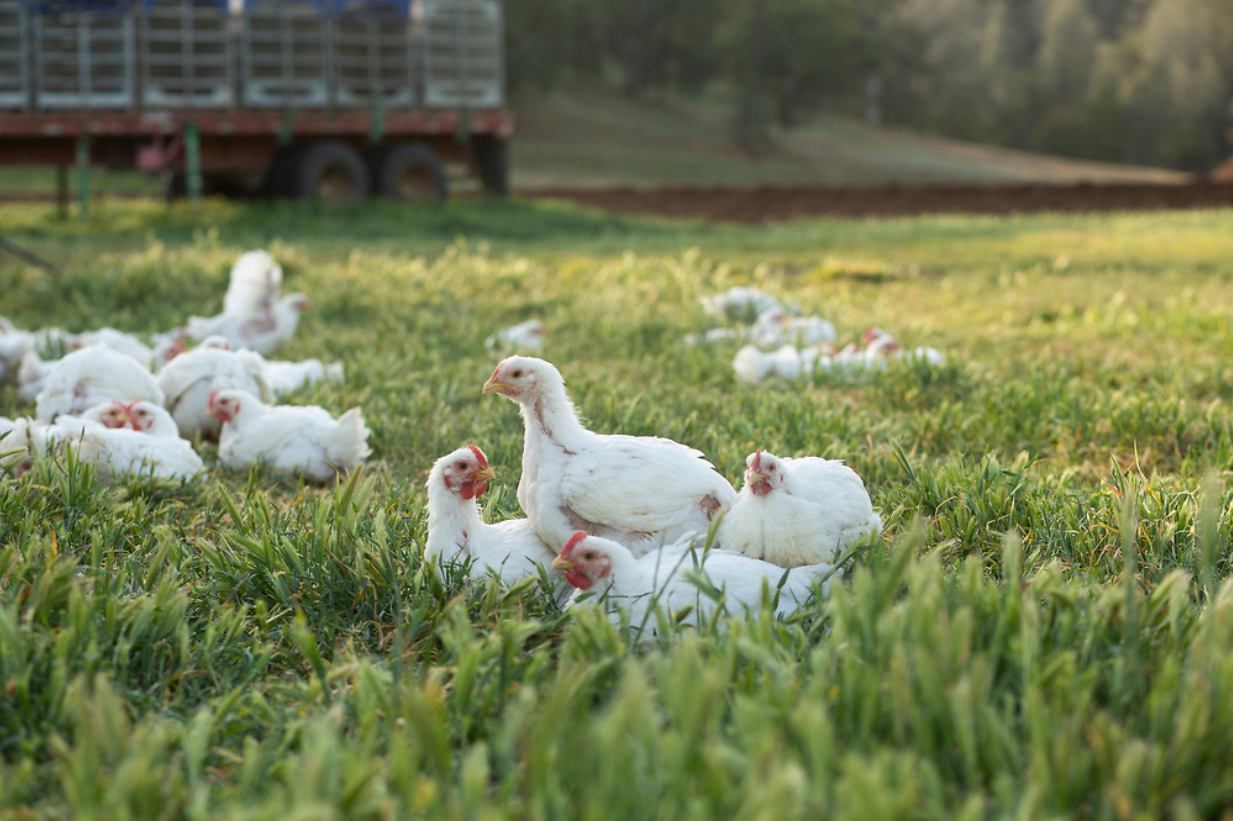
x=1041, y=632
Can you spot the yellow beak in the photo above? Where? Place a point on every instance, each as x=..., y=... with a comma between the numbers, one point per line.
x=562, y=563
x=755, y=476
x=211, y=411
x=494, y=385
x=486, y=474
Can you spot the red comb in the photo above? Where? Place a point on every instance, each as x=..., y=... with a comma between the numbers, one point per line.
x=573, y=541
x=479, y=455
x=211, y=402
x=757, y=459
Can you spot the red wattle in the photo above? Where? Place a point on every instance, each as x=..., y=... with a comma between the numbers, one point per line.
x=577, y=579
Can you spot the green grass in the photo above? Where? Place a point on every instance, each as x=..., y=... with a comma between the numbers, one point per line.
x=1041, y=632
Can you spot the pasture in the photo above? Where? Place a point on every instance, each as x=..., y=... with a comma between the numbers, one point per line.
x=1044, y=630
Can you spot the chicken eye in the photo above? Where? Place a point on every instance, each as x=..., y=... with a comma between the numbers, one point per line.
x=460, y=465
x=516, y=374
x=588, y=555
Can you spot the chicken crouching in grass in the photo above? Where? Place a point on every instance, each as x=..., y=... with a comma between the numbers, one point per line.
x=793, y=512
x=509, y=550
x=687, y=582
x=91, y=376
x=640, y=491
x=288, y=439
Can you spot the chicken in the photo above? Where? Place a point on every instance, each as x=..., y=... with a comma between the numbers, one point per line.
x=778, y=327
x=510, y=550
x=254, y=285
x=28, y=439
x=90, y=376
x=754, y=366
x=141, y=416
x=881, y=344
x=300, y=440
x=287, y=377
x=263, y=333
x=740, y=304
x=122, y=451
x=190, y=379
x=669, y=579
x=527, y=335
x=794, y=512
x=641, y=491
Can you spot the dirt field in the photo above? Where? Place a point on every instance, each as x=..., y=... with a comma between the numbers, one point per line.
x=755, y=205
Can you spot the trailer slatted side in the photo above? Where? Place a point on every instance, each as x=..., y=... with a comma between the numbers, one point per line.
x=14, y=55
x=84, y=54
x=285, y=53
x=187, y=57
x=463, y=56
x=373, y=53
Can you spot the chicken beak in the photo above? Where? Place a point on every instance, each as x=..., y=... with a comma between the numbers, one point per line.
x=562, y=563
x=211, y=411
x=753, y=477
x=126, y=418
x=494, y=385
x=485, y=475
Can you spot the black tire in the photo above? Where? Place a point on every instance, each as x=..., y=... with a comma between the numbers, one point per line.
x=331, y=172
x=280, y=178
x=492, y=162
x=409, y=172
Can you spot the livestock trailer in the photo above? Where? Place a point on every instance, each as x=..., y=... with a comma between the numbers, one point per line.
x=329, y=99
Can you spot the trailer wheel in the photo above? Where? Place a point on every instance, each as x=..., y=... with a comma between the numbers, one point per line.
x=410, y=172
x=492, y=161
x=331, y=172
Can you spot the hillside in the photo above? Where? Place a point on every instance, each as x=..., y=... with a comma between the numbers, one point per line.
x=593, y=137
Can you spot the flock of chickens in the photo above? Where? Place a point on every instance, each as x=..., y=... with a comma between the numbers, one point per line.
x=130, y=408
x=625, y=519
x=634, y=522
x=781, y=344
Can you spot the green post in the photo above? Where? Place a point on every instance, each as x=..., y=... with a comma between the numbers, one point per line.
x=83, y=177
x=192, y=161
x=62, y=191
x=377, y=132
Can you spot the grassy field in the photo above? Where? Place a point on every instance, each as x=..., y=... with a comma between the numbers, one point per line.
x=1044, y=630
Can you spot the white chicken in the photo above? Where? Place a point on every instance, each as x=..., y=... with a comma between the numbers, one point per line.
x=141, y=416
x=287, y=377
x=778, y=327
x=740, y=303
x=91, y=376
x=288, y=439
x=190, y=379
x=254, y=284
x=881, y=345
x=263, y=333
x=117, y=451
x=510, y=550
x=794, y=512
x=674, y=579
x=641, y=491
x=527, y=335
x=754, y=366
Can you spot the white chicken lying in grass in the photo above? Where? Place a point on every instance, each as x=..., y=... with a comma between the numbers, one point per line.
x=189, y=380
x=263, y=333
x=287, y=377
x=288, y=439
x=641, y=491
x=682, y=580
x=510, y=550
x=113, y=451
x=794, y=512
x=90, y=376
x=527, y=336
x=141, y=416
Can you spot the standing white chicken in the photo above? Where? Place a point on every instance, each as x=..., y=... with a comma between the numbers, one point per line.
x=510, y=550
x=300, y=440
x=90, y=376
x=641, y=491
x=190, y=379
x=254, y=284
x=666, y=578
x=794, y=512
